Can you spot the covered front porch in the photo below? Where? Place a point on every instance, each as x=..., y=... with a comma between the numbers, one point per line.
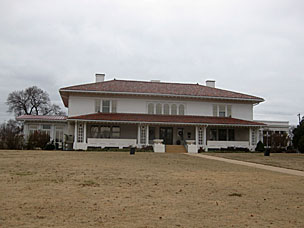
x=100, y=134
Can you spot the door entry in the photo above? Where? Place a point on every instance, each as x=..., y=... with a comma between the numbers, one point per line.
x=166, y=133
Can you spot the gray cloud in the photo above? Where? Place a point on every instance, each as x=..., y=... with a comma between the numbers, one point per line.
x=254, y=47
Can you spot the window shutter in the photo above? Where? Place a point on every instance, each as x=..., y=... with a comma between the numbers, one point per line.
x=114, y=106
x=151, y=108
x=97, y=105
x=214, y=110
x=229, y=112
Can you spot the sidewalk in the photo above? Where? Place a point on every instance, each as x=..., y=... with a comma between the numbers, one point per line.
x=250, y=164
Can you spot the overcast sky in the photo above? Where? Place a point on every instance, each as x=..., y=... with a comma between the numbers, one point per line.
x=254, y=47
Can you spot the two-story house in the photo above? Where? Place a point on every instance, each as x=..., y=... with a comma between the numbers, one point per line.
x=121, y=113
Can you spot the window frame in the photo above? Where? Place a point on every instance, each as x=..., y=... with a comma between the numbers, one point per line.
x=158, y=109
x=181, y=110
x=104, y=107
x=151, y=108
x=166, y=109
x=173, y=109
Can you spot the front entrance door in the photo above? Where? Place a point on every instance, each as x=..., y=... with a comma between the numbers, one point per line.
x=166, y=133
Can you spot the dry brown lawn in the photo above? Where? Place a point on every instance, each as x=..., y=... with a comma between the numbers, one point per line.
x=289, y=161
x=103, y=189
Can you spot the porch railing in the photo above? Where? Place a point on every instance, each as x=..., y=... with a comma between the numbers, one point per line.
x=225, y=144
x=95, y=142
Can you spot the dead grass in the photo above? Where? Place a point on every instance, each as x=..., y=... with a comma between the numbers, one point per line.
x=82, y=189
x=289, y=161
x=89, y=183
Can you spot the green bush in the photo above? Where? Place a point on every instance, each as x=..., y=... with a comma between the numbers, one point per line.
x=260, y=147
x=38, y=139
x=301, y=144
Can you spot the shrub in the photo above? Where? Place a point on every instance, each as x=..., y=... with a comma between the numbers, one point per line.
x=234, y=149
x=301, y=144
x=277, y=150
x=11, y=135
x=279, y=140
x=145, y=149
x=201, y=150
x=38, y=139
x=260, y=147
x=49, y=146
x=298, y=133
x=290, y=150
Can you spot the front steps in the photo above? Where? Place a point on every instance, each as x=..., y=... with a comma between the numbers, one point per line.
x=175, y=149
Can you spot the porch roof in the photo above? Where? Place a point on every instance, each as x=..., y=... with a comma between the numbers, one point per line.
x=158, y=119
x=54, y=118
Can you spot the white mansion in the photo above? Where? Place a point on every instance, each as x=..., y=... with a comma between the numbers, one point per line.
x=123, y=113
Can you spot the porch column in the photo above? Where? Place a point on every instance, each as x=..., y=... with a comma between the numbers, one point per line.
x=52, y=133
x=196, y=135
x=75, y=136
x=138, y=134
x=261, y=138
x=75, y=132
x=250, y=136
x=147, y=135
x=26, y=132
x=205, y=138
x=85, y=132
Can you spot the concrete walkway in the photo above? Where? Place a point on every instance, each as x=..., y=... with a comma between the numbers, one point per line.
x=250, y=164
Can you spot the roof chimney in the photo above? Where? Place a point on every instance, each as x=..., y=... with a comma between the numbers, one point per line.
x=100, y=77
x=210, y=83
x=155, y=81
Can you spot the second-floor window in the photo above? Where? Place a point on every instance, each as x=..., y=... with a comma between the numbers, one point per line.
x=151, y=108
x=158, y=109
x=106, y=106
x=222, y=110
x=181, y=109
x=173, y=109
x=166, y=109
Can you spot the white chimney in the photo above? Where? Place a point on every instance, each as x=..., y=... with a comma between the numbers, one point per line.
x=210, y=83
x=100, y=77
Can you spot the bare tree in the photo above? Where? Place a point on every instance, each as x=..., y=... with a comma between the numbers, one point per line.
x=32, y=101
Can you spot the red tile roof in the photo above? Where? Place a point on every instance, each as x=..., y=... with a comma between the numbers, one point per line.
x=147, y=118
x=156, y=88
x=42, y=118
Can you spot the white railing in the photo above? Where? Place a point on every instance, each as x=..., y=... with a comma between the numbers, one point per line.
x=225, y=144
x=94, y=142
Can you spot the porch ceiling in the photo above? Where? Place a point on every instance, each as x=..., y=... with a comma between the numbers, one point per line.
x=165, y=119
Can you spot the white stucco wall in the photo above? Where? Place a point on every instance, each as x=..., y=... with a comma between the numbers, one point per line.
x=242, y=111
x=81, y=105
